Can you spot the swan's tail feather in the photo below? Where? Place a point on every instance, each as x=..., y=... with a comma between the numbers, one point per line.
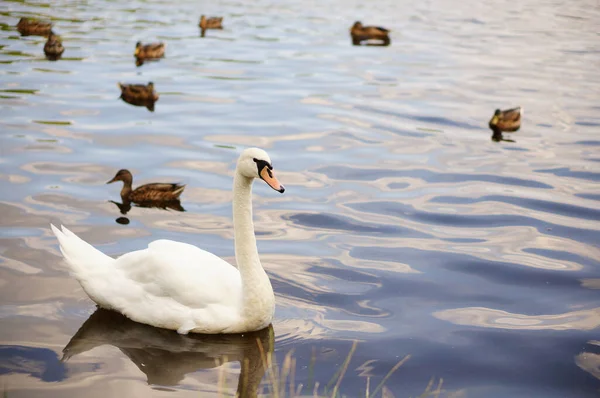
x=80, y=255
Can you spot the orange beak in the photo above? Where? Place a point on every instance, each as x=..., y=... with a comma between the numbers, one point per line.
x=267, y=176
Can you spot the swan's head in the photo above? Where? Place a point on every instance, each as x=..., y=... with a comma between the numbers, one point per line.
x=255, y=163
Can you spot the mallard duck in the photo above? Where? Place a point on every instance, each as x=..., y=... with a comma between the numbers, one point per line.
x=149, y=51
x=138, y=91
x=360, y=33
x=210, y=23
x=33, y=27
x=139, y=95
x=155, y=192
x=179, y=286
x=53, y=47
x=507, y=121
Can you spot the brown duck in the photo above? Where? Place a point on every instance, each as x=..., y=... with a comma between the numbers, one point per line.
x=210, y=23
x=149, y=51
x=155, y=192
x=138, y=91
x=53, y=47
x=139, y=95
x=29, y=27
x=507, y=121
x=360, y=33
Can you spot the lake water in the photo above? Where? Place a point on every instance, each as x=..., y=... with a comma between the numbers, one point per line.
x=404, y=227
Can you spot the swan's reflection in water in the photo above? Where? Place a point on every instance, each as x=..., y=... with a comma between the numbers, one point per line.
x=166, y=356
x=125, y=207
x=590, y=361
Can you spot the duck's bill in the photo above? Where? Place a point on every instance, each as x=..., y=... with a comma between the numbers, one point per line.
x=267, y=176
x=494, y=120
x=111, y=181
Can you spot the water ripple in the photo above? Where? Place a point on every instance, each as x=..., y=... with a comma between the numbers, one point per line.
x=403, y=225
x=353, y=174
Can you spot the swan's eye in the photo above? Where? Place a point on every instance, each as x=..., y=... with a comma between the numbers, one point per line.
x=261, y=164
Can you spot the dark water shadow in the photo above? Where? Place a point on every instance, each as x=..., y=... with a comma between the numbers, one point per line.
x=587, y=143
x=404, y=211
x=166, y=357
x=335, y=222
x=436, y=120
x=346, y=173
x=567, y=172
x=41, y=363
x=590, y=196
x=564, y=209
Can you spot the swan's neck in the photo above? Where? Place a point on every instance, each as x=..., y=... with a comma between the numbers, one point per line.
x=258, y=298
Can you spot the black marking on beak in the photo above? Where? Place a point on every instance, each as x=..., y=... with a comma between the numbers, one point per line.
x=261, y=164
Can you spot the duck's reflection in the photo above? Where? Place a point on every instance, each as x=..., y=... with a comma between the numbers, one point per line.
x=149, y=104
x=166, y=356
x=139, y=94
x=139, y=61
x=497, y=137
x=125, y=207
x=122, y=220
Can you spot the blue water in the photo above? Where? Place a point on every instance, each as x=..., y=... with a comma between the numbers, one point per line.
x=403, y=227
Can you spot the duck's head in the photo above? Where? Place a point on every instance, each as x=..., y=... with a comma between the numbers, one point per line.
x=151, y=86
x=122, y=175
x=496, y=117
x=138, y=47
x=357, y=25
x=255, y=163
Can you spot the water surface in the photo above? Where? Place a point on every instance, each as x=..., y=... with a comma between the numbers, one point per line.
x=404, y=227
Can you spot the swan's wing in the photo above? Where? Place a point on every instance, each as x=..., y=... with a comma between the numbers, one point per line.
x=184, y=273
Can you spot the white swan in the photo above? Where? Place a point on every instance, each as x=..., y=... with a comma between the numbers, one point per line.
x=178, y=286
